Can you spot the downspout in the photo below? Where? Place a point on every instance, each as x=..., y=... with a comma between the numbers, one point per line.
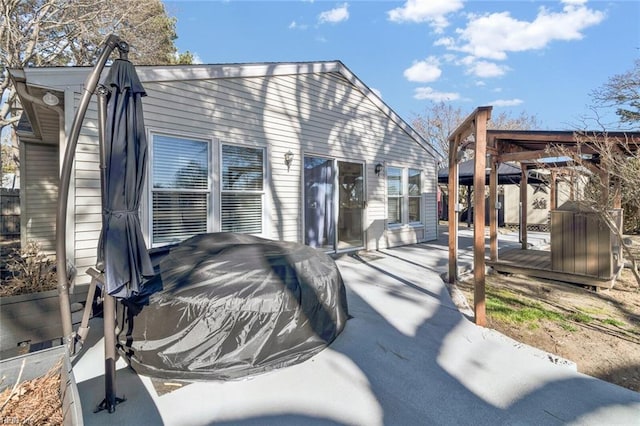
x=63, y=191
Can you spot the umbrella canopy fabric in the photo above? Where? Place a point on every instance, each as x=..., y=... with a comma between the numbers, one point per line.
x=122, y=253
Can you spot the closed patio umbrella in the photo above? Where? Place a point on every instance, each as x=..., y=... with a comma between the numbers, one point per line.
x=122, y=253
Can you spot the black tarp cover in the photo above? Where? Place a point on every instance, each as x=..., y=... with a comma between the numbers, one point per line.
x=226, y=306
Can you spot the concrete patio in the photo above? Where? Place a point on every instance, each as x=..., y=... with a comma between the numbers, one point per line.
x=407, y=357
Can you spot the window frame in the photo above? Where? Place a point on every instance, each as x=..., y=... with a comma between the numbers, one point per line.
x=148, y=204
x=398, y=197
x=405, y=197
x=261, y=193
x=418, y=197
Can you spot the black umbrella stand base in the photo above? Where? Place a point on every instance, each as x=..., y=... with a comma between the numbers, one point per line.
x=110, y=406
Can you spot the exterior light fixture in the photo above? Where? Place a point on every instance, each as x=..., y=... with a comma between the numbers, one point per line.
x=378, y=169
x=288, y=159
x=50, y=99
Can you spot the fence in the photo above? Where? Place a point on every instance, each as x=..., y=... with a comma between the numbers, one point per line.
x=9, y=214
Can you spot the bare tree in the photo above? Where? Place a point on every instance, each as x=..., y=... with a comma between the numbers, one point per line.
x=611, y=166
x=440, y=119
x=69, y=32
x=622, y=94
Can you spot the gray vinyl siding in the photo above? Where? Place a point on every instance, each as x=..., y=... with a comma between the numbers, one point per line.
x=40, y=193
x=87, y=206
x=315, y=114
x=320, y=114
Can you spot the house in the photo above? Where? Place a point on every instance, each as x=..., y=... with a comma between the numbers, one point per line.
x=300, y=152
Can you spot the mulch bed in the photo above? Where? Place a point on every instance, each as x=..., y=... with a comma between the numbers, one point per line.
x=34, y=402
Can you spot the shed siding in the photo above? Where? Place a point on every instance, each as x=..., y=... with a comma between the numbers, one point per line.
x=316, y=114
x=41, y=193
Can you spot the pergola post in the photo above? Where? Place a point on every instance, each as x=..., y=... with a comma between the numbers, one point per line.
x=469, y=206
x=475, y=123
x=453, y=207
x=553, y=197
x=524, y=211
x=493, y=210
x=479, y=176
x=617, y=193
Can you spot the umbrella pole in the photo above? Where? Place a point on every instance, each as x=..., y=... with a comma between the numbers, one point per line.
x=109, y=303
x=110, y=399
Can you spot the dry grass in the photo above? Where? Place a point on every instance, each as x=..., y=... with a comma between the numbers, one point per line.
x=31, y=271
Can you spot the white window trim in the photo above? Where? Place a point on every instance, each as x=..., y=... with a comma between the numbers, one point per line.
x=404, y=176
x=146, y=204
x=401, y=197
x=420, y=221
x=264, y=193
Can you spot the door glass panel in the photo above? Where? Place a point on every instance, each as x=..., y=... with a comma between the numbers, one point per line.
x=319, y=209
x=351, y=205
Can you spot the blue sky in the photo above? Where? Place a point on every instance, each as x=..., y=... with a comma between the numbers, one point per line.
x=540, y=57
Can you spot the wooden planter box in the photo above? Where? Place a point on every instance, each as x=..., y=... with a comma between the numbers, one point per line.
x=38, y=364
x=32, y=318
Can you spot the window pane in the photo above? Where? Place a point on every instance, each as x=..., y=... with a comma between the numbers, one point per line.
x=394, y=181
x=180, y=163
x=242, y=168
x=395, y=210
x=414, y=182
x=242, y=213
x=178, y=216
x=414, y=209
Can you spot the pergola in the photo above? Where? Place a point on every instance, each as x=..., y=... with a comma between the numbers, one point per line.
x=528, y=148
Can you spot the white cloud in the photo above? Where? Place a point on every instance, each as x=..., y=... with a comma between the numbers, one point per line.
x=336, y=15
x=296, y=26
x=484, y=69
x=422, y=93
x=432, y=11
x=494, y=35
x=506, y=102
x=424, y=71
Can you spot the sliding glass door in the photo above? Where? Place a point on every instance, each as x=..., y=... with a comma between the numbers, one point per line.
x=319, y=205
x=351, y=202
x=333, y=203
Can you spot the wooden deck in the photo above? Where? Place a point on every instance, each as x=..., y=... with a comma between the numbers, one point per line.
x=537, y=263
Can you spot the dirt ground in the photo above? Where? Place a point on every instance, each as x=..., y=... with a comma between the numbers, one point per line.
x=599, y=331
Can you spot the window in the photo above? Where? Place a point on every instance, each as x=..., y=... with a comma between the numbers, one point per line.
x=414, y=193
x=179, y=188
x=394, y=195
x=404, y=194
x=242, y=189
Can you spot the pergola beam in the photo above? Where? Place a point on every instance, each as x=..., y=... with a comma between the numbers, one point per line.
x=535, y=155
